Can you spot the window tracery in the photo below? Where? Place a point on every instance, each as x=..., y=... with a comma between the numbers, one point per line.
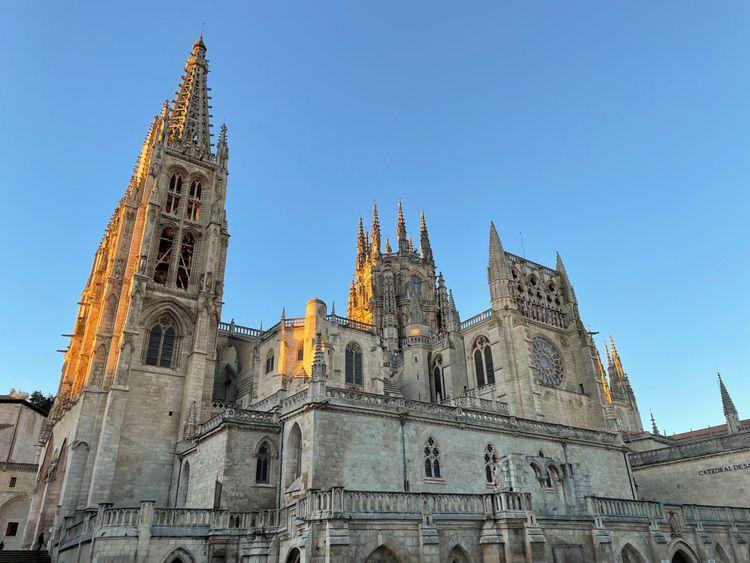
x=194, y=201
x=185, y=261
x=353, y=364
x=548, y=362
x=174, y=195
x=432, y=459
x=483, y=364
x=161, y=343
x=164, y=256
x=490, y=464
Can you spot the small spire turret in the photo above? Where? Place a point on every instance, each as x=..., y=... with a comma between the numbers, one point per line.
x=388, y=249
x=654, y=428
x=375, y=239
x=403, y=240
x=730, y=411
x=424, y=239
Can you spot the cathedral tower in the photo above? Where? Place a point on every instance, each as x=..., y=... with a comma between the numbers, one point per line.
x=144, y=340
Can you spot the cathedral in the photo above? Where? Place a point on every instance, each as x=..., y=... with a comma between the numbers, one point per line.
x=399, y=432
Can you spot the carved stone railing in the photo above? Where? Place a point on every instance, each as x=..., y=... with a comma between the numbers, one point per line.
x=270, y=402
x=476, y=319
x=232, y=329
x=471, y=401
x=383, y=503
x=542, y=313
x=512, y=258
x=23, y=467
x=708, y=446
x=294, y=321
x=694, y=513
x=626, y=508
x=477, y=415
x=120, y=517
x=294, y=400
x=351, y=323
x=236, y=415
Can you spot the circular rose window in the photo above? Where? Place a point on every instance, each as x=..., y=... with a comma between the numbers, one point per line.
x=548, y=362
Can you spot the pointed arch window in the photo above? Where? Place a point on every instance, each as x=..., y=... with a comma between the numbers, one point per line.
x=432, y=459
x=161, y=343
x=490, y=464
x=174, y=194
x=437, y=380
x=262, y=464
x=164, y=256
x=301, y=353
x=269, y=361
x=483, y=364
x=194, y=201
x=185, y=261
x=553, y=477
x=353, y=364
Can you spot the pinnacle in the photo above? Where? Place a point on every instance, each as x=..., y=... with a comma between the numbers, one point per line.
x=726, y=399
x=199, y=44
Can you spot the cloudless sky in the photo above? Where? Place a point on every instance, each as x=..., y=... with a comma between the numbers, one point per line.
x=617, y=133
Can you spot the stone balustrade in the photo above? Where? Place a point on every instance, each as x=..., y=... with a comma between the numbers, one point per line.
x=626, y=508
x=23, y=467
x=694, y=513
x=476, y=319
x=120, y=517
x=351, y=323
x=232, y=414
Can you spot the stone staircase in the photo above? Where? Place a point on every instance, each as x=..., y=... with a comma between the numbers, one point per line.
x=24, y=556
x=391, y=389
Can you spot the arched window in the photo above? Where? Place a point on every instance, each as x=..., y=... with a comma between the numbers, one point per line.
x=269, y=361
x=437, y=381
x=353, y=364
x=194, y=201
x=490, y=463
x=186, y=261
x=432, y=459
x=262, y=464
x=553, y=477
x=483, y=365
x=293, y=449
x=301, y=353
x=174, y=194
x=164, y=256
x=161, y=343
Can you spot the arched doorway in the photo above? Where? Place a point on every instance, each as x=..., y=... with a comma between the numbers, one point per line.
x=458, y=555
x=382, y=555
x=681, y=557
x=294, y=556
x=630, y=554
x=721, y=555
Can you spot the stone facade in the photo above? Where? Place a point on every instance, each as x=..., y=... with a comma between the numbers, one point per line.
x=396, y=433
x=20, y=427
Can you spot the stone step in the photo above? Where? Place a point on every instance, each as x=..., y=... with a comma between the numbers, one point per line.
x=24, y=556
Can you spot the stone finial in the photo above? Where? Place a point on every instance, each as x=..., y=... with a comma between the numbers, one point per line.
x=654, y=428
x=424, y=239
x=375, y=238
x=403, y=241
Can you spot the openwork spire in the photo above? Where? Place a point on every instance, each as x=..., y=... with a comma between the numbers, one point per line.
x=190, y=125
x=726, y=399
x=654, y=427
x=403, y=240
x=375, y=239
x=616, y=360
x=497, y=266
x=361, y=244
x=603, y=378
x=424, y=238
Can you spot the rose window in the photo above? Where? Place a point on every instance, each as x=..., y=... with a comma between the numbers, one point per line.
x=548, y=363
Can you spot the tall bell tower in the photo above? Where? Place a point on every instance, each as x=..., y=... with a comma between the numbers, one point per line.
x=138, y=372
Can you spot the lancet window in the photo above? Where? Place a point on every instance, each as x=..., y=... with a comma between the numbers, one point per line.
x=432, y=459
x=301, y=353
x=262, y=464
x=483, y=365
x=185, y=261
x=269, y=362
x=164, y=256
x=353, y=364
x=437, y=380
x=174, y=194
x=490, y=463
x=161, y=343
x=194, y=201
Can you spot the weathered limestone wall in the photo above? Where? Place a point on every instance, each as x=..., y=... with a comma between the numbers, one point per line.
x=145, y=453
x=722, y=479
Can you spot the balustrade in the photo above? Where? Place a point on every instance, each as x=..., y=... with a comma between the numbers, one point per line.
x=626, y=508
x=476, y=319
x=120, y=517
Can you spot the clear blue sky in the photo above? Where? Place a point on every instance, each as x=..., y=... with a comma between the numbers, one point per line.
x=617, y=133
